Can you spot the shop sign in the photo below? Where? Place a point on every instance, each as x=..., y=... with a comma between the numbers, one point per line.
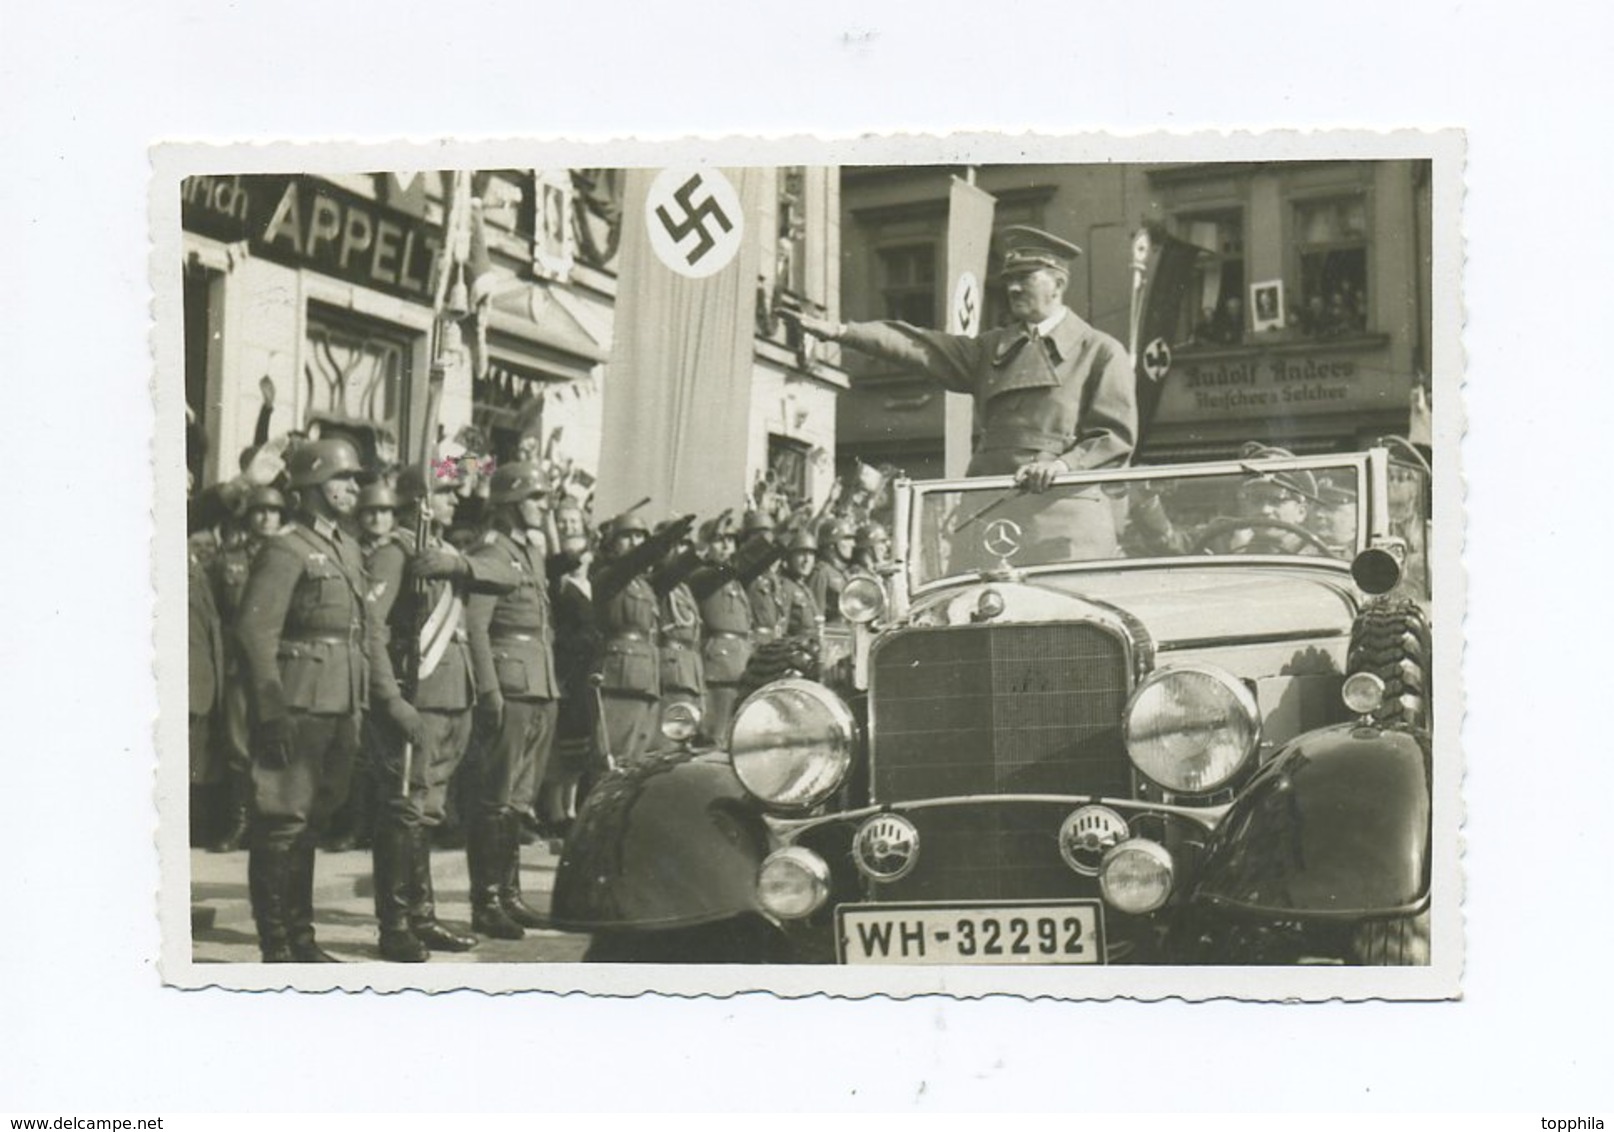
x=305, y=222
x=1252, y=386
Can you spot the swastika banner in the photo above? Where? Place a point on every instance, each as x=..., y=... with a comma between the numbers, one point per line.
x=678, y=388
x=1162, y=268
x=969, y=239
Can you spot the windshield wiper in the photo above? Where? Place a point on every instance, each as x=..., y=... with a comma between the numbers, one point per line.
x=987, y=510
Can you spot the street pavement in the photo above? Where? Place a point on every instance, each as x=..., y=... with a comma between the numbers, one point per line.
x=344, y=909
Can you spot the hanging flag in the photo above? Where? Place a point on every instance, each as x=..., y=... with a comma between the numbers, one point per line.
x=1162, y=269
x=677, y=396
x=969, y=239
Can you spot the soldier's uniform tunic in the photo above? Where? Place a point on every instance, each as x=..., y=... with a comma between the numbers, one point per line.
x=725, y=643
x=683, y=670
x=826, y=582
x=445, y=694
x=801, y=613
x=512, y=640
x=770, y=608
x=630, y=664
x=302, y=630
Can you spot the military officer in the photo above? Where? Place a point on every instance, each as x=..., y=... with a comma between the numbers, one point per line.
x=302, y=632
x=683, y=670
x=719, y=590
x=577, y=658
x=837, y=544
x=629, y=620
x=801, y=612
x=1052, y=394
x=418, y=593
x=264, y=512
x=512, y=649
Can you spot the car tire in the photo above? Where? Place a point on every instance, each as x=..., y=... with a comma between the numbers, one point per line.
x=1401, y=942
x=744, y=939
x=1390, y=639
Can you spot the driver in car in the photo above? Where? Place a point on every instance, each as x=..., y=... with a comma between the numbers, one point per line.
x=1278, y=505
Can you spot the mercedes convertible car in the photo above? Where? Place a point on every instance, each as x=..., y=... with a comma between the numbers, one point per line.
x=1174, y=714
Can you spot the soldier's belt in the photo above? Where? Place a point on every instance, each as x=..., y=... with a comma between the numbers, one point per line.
x=521, y=638
x=628, y=635
x=352, y=638
x=725, y=635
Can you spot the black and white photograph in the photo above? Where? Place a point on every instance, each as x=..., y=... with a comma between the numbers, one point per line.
x=814, y=573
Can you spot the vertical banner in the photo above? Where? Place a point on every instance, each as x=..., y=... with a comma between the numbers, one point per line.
x=1162, y=269
x=969, y=238
x=677, y=397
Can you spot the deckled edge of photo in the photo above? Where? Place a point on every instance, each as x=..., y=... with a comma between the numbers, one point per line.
x=1443, y=146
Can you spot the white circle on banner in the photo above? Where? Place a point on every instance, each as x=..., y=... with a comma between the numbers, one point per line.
x=1157, y=359
x=695, y=221
x=966, y=304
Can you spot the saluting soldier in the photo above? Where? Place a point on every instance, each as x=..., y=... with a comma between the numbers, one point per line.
x=263, y=514
x=837, y=543
x=719, y=590
x=302, y=630
x=577, y=658
x=768, y=609
x=512, y=647
x=683, y=671
x=801, y=612
x=418, y=594
x=630, y=667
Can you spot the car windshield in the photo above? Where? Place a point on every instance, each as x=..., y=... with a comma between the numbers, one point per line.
x=1304, y=509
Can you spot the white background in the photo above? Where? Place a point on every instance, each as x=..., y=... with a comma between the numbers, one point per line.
x=84, y=89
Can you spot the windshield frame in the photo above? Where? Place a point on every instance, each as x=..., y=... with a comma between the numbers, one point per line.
x=1371, y=468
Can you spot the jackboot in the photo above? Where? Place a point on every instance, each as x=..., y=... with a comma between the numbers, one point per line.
x=484, y=856
x=510, y=877
x=394, y=875
x=237, y=819
x=423, y=900
x=300, y=905
x=269, y=871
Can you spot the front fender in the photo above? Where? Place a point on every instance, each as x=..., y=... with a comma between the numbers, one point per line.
x=672, y=841
x=1336, y=825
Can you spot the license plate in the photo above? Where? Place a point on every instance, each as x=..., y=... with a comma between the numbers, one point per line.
x=1069, y=931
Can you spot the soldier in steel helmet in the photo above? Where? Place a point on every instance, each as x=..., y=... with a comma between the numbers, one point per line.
x=302, y=631
x=377, y=514
x=801, y=612
x=263, y=513
x=419, y=589
x=512, y=648
x=873, y=547
x=683, y=671
x=768, y=609
x=837, y=546
x=718, y=587
x=629, y=621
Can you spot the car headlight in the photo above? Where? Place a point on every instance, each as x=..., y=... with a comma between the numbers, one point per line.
x=792, y=743
x=680, y=721
x=862, y=599
x=792, y=883
x=1190, y=729
x=1135, y=876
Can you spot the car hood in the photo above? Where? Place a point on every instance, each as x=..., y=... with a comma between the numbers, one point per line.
x=1180, y=606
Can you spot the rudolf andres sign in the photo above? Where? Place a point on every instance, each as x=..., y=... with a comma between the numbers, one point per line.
x=1291, y=383
x=305, y=222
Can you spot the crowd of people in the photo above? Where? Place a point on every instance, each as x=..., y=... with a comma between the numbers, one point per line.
x=379, y=653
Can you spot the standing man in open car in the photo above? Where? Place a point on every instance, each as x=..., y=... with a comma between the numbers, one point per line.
x=302, y=630
x=1052, y=394
x=418, y=593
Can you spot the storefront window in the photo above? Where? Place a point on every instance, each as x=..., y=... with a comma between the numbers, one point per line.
x=908, y=283
x=1213, y=307
x=357, y=369
x=1331, y=245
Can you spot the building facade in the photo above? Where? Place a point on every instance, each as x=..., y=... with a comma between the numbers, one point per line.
x=307, y=300
x=1303, y=321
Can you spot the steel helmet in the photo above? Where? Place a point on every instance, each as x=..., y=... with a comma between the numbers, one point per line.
x=313, y=462
x=832, y=530
x=723, y=526
x=443, y=475
x=265, y=498
x=512, y=483
x=802, y=540
x=377, y=497
x=757, y=521
x=629, y=521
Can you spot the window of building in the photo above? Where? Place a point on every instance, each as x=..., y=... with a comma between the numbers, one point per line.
x=790, y=266
x=907, y=281
x=1331, y=246
x=357, y=369
x=1213, y=305
x=789, y=462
